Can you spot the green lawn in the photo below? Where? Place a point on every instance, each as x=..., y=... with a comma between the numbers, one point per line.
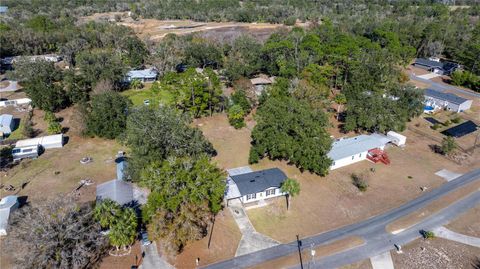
x=18, y=132
x=138, y=96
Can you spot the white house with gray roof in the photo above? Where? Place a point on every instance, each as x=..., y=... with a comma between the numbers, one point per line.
x=355, y=149
x=6, y=124
x=448, y=101
x=250, y=186
x=144, y=75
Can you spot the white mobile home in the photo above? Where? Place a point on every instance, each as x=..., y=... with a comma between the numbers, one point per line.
x=448, y=101
x=249, y=186
x=46, y=142
x=355, y=149
x=6, y=124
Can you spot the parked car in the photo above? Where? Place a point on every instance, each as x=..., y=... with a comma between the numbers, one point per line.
x=144, y=238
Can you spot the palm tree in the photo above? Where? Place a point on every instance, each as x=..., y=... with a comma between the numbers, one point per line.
x=136, y=84
x=106, y=212
x=291, y=187
x=124, y=231
x=340, y=99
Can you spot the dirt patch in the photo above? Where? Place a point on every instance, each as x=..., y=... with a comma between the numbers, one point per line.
x=365, y=264
x=436, y=253
x=125, y=262
x=232, y=146
x=224, y=241
x=321, y=251
x=414, y=218
x=467, y=223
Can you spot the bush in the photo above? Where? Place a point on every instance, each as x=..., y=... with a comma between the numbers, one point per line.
x=253, y=157
x=359, y=182
x=49, y=117
x=235, y=116
x=290, y=21
x=456, y=120
x=448, y=145
x=447, y=123
x=435, y=126
x=54, y=128
x=427, y=234
x=28, y=130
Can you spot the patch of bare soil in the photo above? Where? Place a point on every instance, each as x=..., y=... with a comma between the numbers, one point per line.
x=224, y=239
x=436, y=253
x=123, y=262
x=468, y=223
x=321, y=251
x=365, y=264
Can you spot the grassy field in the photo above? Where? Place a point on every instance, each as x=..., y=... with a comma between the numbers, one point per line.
x=138, y=96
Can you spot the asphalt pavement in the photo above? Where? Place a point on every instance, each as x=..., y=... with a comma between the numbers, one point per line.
x=443, y=87
x=372, y=230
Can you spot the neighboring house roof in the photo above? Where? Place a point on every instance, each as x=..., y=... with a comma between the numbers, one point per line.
x=232, y=190
x=49, y=141
x=446, y=66
x=450, y=97
x=116, y=190
x=259, y=181
x=3, y=9
x=6, y=205
x=260, y=81
x=347, y=147
x=6, y=123
x=145, y=73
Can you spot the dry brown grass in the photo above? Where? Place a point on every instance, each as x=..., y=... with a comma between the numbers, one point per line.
x=419, y=215
x=223, y=245
x=321, y=251
x=467, y=223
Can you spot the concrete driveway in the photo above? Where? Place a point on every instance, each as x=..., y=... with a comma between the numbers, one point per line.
x=461, y=238
x=251, y=240
x=152, y=259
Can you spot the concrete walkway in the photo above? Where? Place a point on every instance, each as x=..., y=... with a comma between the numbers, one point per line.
x=445, y=233
x=382, y=261
x=251, y=240
x=152, y=259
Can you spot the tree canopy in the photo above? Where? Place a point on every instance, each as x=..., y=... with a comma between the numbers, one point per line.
x=289, y=129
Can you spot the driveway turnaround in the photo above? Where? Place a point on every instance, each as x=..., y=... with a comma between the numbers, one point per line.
x=382, y=261
x=461, y=238
x=251, y=240
x=152, y=259
x=372, y=230
x=447, y=175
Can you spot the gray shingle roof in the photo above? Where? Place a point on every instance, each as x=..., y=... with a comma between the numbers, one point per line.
x=6, y=123
x=149, y=73
x=446, y=66
x=116, y=190
x=259, y=181
x=355, y=145
x=450, y=97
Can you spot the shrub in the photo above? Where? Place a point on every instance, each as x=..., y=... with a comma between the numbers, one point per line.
x=253, y=157
x=235, y=116
x=49, y=117
x=456, y=120
x=28, y=130
x=54, y=128
x=427, y=234
x=359, y=182
x=448, y=145
x=447, y=123
x=435, y=126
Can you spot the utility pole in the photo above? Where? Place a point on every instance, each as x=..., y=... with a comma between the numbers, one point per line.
x=299, y=245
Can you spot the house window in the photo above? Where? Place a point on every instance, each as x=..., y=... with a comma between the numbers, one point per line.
x=333, y=164
x=251, y=196
x=360, y=155
x=270, y=192
x=353, y=157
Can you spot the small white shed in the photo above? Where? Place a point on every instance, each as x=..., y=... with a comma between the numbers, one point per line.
x=397, y=138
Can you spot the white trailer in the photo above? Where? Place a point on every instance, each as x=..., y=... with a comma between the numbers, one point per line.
x=46, y=142
x=397, y=138
x=25, y=153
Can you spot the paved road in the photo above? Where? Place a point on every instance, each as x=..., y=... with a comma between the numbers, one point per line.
x=443, y=87
x=372, y=230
